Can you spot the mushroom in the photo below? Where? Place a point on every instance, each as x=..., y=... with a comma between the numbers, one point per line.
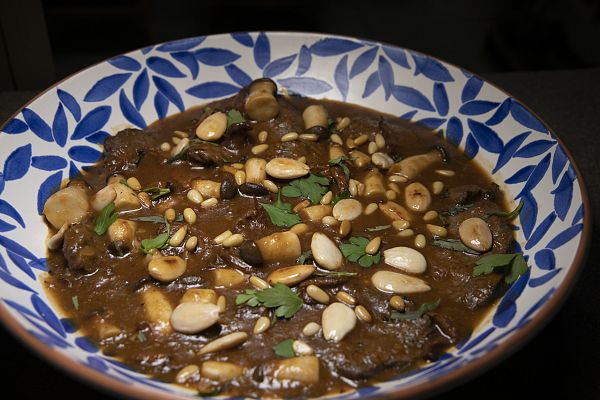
x=315, y=119
x=261, y=103
x=412, y=166
x=67, y=206
x=280, y=246
x=122, y=234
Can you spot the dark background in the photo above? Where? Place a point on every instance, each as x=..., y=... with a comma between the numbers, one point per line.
x=547, y=53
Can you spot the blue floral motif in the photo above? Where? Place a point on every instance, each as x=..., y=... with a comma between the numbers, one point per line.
x=143, y=85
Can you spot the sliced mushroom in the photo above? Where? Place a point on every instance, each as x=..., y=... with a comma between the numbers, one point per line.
x=411, y=167
x=315, y=115
x=374, y=183
x=286, y=168
x=122, y=233
x=261, y=103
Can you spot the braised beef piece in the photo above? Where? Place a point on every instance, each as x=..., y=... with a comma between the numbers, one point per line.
x=207, y=155
x=123, y=151
x=81, y=248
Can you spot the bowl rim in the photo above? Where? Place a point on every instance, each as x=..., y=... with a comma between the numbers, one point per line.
x=514, y=342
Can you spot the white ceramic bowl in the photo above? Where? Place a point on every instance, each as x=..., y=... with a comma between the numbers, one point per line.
x=61, y=131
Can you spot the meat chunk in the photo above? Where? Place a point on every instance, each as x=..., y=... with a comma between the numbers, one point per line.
x=81, y=248
x=206, y=154
x=124, y=150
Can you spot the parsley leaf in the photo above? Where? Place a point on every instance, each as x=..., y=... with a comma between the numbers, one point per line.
x=281, y=213
x=312, y=187
x=452, y=211
x=508, y=215
x=157, y=219
x=155, y=243
x=234, y=117
x=334, y=273
x=105, y=219
x=340, y=196
x=379, y=228
x=75, y=301
x=141, y=337
x=341, y=161
x=282, y=298
x=285, y=349
x=514, y=265
x=418, y=313
x=453, y=244
x=355, y=252
x=156, y=192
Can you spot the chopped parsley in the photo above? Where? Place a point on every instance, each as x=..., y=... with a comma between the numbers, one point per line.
x=157, y=242
x=285, y=348
x=341, y=162
x=453, y=244
x=280, y=297
x=418, y=313
x=156, y=192
x=281, y=213
x=507, y=215
x=312, y=187
x=75, y=301
x=334, y=273
x=141, y=337
x=514, y=265
x=340, y=196
x=307, y=255
x=452, y=211
x=355, y=252
x=234, y=117
x=156, y=219
x=106, y=218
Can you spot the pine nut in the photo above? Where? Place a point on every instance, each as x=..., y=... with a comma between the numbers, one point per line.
x=326, y=199
x=165, y=146
x=301, y=159
x=345, y=297
x=430, y=215
x=360, y=158
x=134, y=183
x=270, y=186
x=362, y=139
x=362, y=314
x=335, y=138
x=302, y=349
x=261, y=325
x=199, y=296
x=220, y=238
x=437, y=230
x=420, y=241
x=444, y=172
x=175, y=140
x=263, y=136
x=189, y=216
x=397, y=178
x=372, y=148
x=360, y=188
x=302, y=205
x=229, y=168
x=259, y=283
x=373, y=246
x=191, y=243
x=170, y=215
x=350, y=143
x=395, y=187
x=178, y=237
x=240, y=178
x=401, y=224
x=406, y=233
x=222, y=303
x=311, y=137
x=329, y=220
x=397, y=303
x=343, y=123
x=259, y=148
x=144, y=199
x=194, y=196
x=380, y=140
x=233, y=240
x=391, y=195
x=299, y=229
x=370, y=208
x=238, y=165
x=437, y=187
x=353, y=187
x=310, y=329
x=209, y=202
x=289, y=137
x=317, y=294
x=190, y=372
x=181, y=134
x=345, y=228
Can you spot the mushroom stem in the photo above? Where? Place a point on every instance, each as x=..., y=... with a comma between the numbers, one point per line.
x=261, y=103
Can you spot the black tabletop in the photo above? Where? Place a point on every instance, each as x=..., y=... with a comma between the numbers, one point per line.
x=560, y=362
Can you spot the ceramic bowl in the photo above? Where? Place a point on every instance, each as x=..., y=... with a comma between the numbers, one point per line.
x=61, y=132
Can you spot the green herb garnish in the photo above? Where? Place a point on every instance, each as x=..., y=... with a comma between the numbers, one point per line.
x=285, y=348
x=156, y=219
x=340, y=196
x=282, y=298
x=334, y=273
x=141, y=337
x=281, y=213
x=341, y=161
x=156, y=192
x=234, y=117
x=355, y=252
x=312, y=187
x=513, y=264
x=75, y=301
x=331, y=124
x=508, y=215
x=158, y=242
x=124, y=182
x=453, y=244
x=452, y=211
x=304, y=256
x=379, y=228
x=418, y=313
x=105, y=219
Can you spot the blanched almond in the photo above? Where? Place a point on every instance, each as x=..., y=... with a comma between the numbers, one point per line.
x=286, y=168
x=290, y=275
x=395, y=282
x=406, y=259
x=192, y=317
x=417, y=197
x=347, y=209
x=476, y=234
x=337, y=321
x=213, y=127
x=325, y=252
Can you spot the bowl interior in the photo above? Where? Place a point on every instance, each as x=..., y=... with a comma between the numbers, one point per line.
x=61, y=131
